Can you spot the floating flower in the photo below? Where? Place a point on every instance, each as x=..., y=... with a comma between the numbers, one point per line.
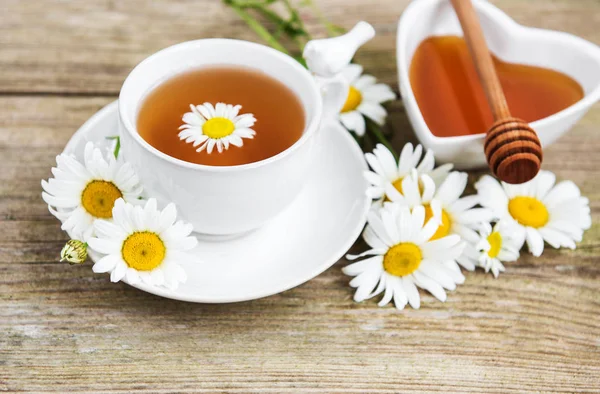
x=456, y=215
x=143, y=244
x=540, y=210
x=497, y=245
x=403, y=256
x=218, y=126
x=74, y=252
x=364, y=98
x=385, y=170
x=81, y=193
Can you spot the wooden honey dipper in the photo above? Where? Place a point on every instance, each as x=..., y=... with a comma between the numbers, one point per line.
x=512, y=148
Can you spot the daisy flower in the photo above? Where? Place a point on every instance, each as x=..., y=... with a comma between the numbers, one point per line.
x=218, y=126
x=74, y=252
x=456, y=215
x=403, y=257
x=385, y=170
x=81, y=193
x=497, y=245
x=143, y=244
x=539, y=209
x=364, y=98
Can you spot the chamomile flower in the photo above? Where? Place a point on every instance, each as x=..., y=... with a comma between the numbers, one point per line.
x=403, y=257
x=456, y=215
x=385, y=171
x=143, y=244
x=74, y=252
x=217, y=126
x=364, y=98
x=81, y=193
x=497, y=245
x=539, y=209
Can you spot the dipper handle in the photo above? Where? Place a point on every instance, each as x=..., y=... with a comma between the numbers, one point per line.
x=513, y=150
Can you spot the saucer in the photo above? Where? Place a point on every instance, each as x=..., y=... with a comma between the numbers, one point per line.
x=303, y=241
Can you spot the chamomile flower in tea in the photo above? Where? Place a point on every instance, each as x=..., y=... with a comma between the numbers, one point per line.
x=245, y=116
x=81, y=193
x=217, y=126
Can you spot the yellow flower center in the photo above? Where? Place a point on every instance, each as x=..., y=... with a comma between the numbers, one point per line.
x=216, y=128
x=444, y=228
x=398, y=184
x=402, y=259
x=143, y=251
x=98, y=198
x=495, y=241
x=528, y=211
x=353, y=100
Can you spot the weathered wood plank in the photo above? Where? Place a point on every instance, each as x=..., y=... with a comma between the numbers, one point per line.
x=90, y=46
x=63, y=328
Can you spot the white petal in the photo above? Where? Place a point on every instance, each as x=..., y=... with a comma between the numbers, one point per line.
x=556, y=238
x=365, y=283
x=373, y=111
x=119, y=272
x=535, y=242
x=564, y=190
x=400, y=298
x=387, y=161
x=452, y=187
x=378, y=93
x=389, y=290
x=351, y=72
x=405, y=161
x=375, y=222
x=359, y=267
x=544, y=182
x=106, y=263
x=430, y=285
x=411, y=292
x=104, y=246
x=354, y=121
x=492, y=195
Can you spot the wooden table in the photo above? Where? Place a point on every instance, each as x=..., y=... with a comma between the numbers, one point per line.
x=62, y=328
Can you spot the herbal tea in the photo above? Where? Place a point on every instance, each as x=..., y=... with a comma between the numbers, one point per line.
x=278, y=112
x=452, y=101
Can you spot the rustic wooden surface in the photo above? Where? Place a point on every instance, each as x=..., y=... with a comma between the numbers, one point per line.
x=62, y=328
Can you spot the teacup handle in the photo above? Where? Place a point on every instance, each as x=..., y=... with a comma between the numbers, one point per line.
x=334, y=92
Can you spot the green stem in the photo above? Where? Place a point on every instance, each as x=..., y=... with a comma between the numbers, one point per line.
x=259, y=29
x=295, y=17
x=374, y=129
x=117, y=146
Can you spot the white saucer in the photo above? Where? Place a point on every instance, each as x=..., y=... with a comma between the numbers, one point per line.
x=299, y=244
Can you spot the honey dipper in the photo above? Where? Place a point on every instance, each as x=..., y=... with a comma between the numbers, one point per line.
x=512, y=149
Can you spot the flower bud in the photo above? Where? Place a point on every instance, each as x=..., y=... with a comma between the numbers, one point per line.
x=74, y=252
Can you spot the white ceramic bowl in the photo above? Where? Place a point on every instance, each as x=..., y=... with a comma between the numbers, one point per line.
x=510, y=42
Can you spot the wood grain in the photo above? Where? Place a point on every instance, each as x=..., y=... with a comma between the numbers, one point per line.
x=62, y=328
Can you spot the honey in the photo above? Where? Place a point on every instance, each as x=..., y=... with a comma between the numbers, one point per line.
x=453, y=103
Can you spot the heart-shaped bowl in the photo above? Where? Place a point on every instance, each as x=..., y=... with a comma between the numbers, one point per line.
x=511, y=43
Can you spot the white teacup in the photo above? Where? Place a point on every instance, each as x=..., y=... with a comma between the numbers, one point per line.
x=234, y=199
